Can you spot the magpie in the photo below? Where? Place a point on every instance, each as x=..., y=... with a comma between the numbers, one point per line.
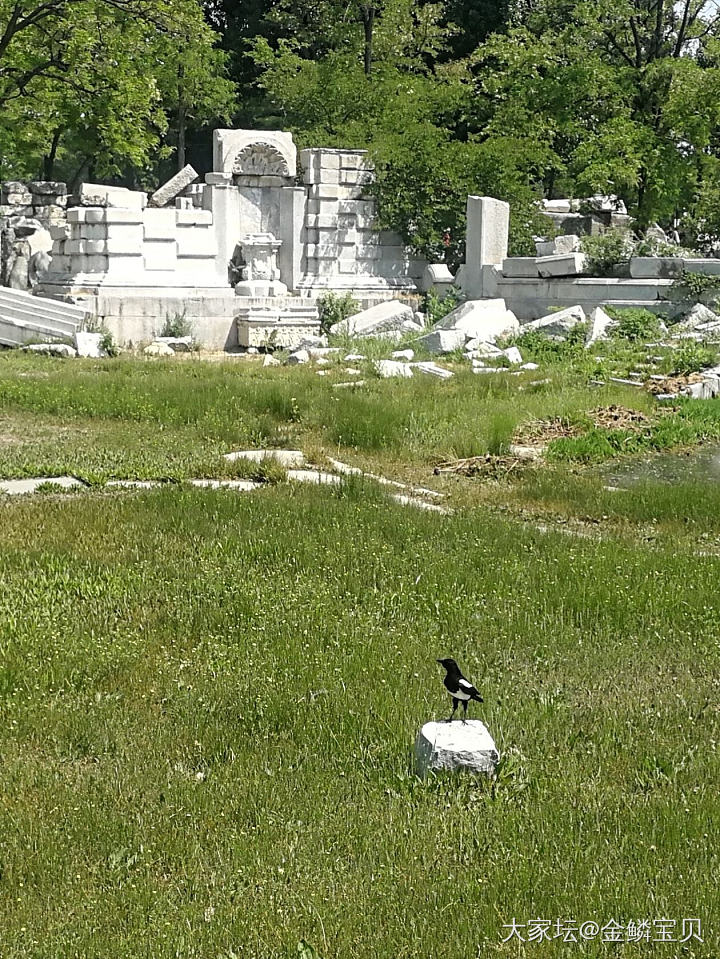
x=459, y=688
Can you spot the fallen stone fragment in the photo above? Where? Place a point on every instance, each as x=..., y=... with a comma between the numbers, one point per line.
x=382, y=480
x=159, y=349
x=481, y=319
x=22, y=486
x=240, y=485
x=600, y=326
x=530, y=366
x=567, y=264
x=512, y=353
x=51, y=349
x=407, y=355
x=456, y=746
x=89, y=344
x=289, y=458
x=178, y=344
x=355, y=357
x=316, y=477
x=168, y=191
x=270, y=360
x=443, y=341
x=298, y=358
x=433, y=370
x=419, y=504
x=558, y=324
x=390, y=368
x=389, y=315
x=490, y=369
x=341, y=386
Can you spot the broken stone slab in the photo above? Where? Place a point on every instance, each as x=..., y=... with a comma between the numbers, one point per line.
x=558, y=324
x=420, y=503
x=342, y=386
x=380, y=318
x=530, y=366
x=314, y=477
x=288, y=458
x=481, y=319
x=567, y=264
x=158, y=349
x=490, y=369
x=443, y=341
x=316, y=351
x=51, y=349
x=47, y=188
x=354, y=357
x=600, y=326
x=436, y=276
x=390, y=368
x=699, y=316
x=432, y=369
x=414, y=325
x=483, y=348
x=242, y=486
x=456, y=746
x=351, y=371
x=89, y=344
x=20, y=487
x=568, y=243
x=97, y=194
x=518, y=267
x=407, y=355
x=513, y=355
x=312, y=342
x=298, y=358
x=655, y=267
x=269, y=360
x=178, y=344
x=168, y=191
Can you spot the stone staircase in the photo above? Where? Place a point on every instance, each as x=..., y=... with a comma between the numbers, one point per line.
x=25, y=318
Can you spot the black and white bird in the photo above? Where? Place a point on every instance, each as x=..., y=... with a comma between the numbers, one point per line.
x=461, y=689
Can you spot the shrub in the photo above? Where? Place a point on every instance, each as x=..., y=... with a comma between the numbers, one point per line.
x=634, y=324
x=606, y=252
x=333, y=309
x=436, y=307
x=692, y=356
x=177, y=325
x=694, y=286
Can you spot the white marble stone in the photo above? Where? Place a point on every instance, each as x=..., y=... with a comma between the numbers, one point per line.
x=456, y=746
x=568, y=264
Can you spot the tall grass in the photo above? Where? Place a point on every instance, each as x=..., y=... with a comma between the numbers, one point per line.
x=207, y=704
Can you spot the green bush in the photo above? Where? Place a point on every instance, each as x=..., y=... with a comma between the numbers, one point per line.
x=177, y=325
x=605, y=253
x=694, y=286
x=634, y=324
x=333, y=309
x=692, y=356
x=437, y=307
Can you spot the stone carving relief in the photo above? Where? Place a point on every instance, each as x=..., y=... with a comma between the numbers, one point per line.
x=260, y=159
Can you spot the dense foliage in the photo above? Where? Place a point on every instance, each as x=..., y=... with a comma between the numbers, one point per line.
x=518, y=100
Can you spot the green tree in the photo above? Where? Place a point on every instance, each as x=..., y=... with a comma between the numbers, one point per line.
x=88, y=83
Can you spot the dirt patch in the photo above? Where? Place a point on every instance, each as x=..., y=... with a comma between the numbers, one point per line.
x=542, y=432
x=672, y=384
x=487, y=465
x=619, y=418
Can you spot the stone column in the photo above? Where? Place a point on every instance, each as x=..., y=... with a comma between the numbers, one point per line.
x=486, y=242
x=292, y=221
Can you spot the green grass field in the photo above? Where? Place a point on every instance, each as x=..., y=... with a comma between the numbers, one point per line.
x=208, y=699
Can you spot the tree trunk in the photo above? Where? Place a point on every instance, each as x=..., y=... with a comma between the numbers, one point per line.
x=368, y=18
x=182, y=130
x=49, y=160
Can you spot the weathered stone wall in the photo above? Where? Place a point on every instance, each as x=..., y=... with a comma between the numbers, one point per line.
x=343, y=248
x=32, y=216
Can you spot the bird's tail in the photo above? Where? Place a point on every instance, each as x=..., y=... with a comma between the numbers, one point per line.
x=477, y=698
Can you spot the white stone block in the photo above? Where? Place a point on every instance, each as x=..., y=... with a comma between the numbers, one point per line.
x=443, y=341
x=599, y=327
x=456, y=746
x=160, y=254
x=97, y=194
x=113, y=216
x=88, y=344
x=193, y=217
x=168, y=191
x=196, y=242
x=709, y=267
x=520, y=266
x=559, y=323
x=569, y=264
x=292, y=459
x=655, y=267
x=384, y=316
x=485, y=320
x=387, y=369
x=159, y=224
